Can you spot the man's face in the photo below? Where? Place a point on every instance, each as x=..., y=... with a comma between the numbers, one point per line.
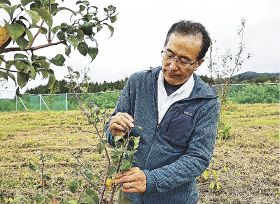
x=180, y=50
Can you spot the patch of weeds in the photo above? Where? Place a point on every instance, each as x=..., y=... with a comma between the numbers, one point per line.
x=212, y=176
x=224, y=131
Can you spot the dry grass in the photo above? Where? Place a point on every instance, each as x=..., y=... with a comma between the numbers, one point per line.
x=251, y=155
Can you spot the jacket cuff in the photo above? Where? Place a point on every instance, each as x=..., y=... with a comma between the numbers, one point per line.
x=150, y=183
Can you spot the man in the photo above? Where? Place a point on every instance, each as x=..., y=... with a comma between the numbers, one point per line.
x=178, y=113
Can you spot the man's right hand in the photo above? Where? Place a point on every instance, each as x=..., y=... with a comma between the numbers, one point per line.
x=120, y=124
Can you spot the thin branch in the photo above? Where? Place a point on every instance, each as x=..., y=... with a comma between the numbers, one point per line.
x=39, y=30
x=81, y=164
x=49, y=32
x=119, y=165
x=10, y=70
x=13, y=49
x=2, y=58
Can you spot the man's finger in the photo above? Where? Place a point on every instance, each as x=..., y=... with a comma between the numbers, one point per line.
x=125, y=179
x=128, y=185
x=115, y=126
x=127, y=116
x=123, y=121
x=120, y=122
x=124, y=173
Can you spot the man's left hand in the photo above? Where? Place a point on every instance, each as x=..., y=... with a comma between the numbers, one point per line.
x=133, y=180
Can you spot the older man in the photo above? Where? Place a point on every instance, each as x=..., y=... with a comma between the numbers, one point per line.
x=178, y=113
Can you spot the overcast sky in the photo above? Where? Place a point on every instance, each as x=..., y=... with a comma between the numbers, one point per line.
x=142, y=26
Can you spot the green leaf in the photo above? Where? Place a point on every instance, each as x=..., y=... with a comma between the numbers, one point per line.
x=5, y=2
x=51, y=80
x=34, y=16
x=88, y=174
x=80, y=34
x=9, y=64
x=30, y=37
x=22, y=42
x=83, y=48
x=112, y=170
x=125, y=165
x=18, y=92
x=73, y=41
x=19, y=56
x=81, y=8
x=44, y=2
x=22, y=79
x=86, y=3
x=32, y=71
x=92, y=51
x=4, y=75
x=15, y=30
x=67, y=9
x=58, y=60
x=43, y=30
x=44, y=73
x=117, y=138
x=45, y=15
x=21, y=65
x=9, y=9
x=41, y=64
x=113, y=18
x=87, y=28
x=25, y=2
x=85, y=198
x=36, y=5
x=55, y=29
x=54, y=9
x=72, y=202
x=99, y=27
x=39, y=198
x=68, y=50
x=11, y=76
x=111, y=28
x=93, y=194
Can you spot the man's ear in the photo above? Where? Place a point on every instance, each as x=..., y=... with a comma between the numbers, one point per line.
x=199, y=62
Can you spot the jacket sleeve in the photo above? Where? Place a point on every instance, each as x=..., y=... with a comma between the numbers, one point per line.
x=194, y=161
x=124, y=104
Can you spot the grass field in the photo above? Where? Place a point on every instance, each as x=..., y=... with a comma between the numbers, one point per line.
x=246, y=166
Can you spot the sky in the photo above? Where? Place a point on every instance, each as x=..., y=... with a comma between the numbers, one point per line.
x=141, y=29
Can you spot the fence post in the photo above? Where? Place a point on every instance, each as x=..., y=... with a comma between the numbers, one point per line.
x=66, y=102
x=40, y=102
x=16, y=104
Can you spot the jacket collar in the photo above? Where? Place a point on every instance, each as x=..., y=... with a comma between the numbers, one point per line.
x=200, y=89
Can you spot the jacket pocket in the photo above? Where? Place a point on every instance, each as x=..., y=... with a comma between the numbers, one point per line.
x=178, y=126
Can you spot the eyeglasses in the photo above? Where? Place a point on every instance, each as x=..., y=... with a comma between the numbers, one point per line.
x=183, y=61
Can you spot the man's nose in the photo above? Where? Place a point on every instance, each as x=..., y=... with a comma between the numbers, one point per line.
x=173, y=64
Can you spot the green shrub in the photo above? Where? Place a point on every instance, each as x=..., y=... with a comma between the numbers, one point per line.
x=254, y=93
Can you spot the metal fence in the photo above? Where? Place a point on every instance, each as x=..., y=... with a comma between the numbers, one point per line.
x=58, y=102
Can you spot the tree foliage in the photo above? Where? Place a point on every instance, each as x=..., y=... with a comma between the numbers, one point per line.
x=93, y=87
x=31, y=18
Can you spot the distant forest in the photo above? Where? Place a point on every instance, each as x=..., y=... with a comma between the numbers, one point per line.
x=94, y=87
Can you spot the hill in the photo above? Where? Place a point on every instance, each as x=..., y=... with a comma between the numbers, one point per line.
x=254, y=77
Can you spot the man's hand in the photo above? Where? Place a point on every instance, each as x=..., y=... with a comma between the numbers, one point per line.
x=133, y=180
x=120, y=124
